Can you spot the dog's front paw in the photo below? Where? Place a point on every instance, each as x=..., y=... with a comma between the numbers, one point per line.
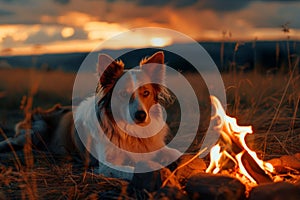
x=167, y=155
x=122, y=172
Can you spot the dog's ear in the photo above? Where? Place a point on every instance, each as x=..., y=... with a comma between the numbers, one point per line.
x=108, y=70
x=155, y=67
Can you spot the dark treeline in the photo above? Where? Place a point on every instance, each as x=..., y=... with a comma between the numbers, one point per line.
x=264, y=57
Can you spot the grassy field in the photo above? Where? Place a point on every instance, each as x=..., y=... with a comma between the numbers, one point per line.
x=270, y=103
x=47, y=88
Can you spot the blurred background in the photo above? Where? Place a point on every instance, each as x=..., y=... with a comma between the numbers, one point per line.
x=61, y=26
x=255, y=44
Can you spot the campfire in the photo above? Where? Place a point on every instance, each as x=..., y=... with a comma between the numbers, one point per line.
x=231, y=152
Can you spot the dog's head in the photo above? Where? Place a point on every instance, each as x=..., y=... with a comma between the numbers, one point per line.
x=141, y=98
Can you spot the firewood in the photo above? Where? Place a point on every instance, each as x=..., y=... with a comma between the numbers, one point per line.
x=214, y=186
x=254, y=169
x=279, y=190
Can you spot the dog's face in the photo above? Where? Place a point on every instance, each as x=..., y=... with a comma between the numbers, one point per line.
x=136, y=101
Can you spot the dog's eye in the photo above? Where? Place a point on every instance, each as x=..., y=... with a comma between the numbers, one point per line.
x=146, y=93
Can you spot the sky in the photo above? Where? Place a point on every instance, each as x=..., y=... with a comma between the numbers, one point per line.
x=54, y=26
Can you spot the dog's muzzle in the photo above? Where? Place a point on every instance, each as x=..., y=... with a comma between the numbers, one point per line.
x=140, y=116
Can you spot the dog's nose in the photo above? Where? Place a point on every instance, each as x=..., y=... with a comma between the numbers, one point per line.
x=140, y=116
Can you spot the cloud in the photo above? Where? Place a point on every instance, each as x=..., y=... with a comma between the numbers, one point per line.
x=5, y=12
x=153, y=3
x=44, y=20
x=175, y=3
x=280, y=0
x=32, y=11
x=15, y=2
x=48, y=34
x=9, y=1
x=132, y=12
x=184, y=3
x=277, y=14
x=14, y=35
x=62, y=1
x=216, y=5
x=43, y=37
x=8, y=41
x=221, y=5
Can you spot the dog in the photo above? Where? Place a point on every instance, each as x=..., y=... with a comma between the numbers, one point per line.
x=135, y=133
x=129, y=135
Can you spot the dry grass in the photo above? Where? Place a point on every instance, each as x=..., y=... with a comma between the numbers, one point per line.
x=271, y=105
x=60, y=181
x=50, y=86
x=16, y=85
x=268, y=102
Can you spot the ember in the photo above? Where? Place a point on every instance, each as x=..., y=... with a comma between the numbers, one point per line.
x=232, y=147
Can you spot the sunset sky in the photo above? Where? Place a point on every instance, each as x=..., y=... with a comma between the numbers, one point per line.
x=48, y=26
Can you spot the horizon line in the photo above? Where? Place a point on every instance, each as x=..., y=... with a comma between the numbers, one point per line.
x=9, y=52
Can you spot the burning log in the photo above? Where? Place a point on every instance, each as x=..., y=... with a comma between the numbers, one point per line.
x=248, y=162
x=196, y=166
x=286, y=163
x=232, y=147
x=254, y=169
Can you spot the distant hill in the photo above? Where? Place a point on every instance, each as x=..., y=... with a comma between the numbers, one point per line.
x=261, y=55
x=66, y=61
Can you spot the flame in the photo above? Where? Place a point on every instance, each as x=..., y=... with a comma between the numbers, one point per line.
x=232, y=134
x=215, y=156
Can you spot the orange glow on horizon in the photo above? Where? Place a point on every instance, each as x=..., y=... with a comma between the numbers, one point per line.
x=102, y=30
x=160, y=41
x=14, y=38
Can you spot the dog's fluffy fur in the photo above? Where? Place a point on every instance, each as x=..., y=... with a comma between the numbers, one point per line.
x=138, y=113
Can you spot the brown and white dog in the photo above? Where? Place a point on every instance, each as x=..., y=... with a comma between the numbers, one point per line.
x=119, y=141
